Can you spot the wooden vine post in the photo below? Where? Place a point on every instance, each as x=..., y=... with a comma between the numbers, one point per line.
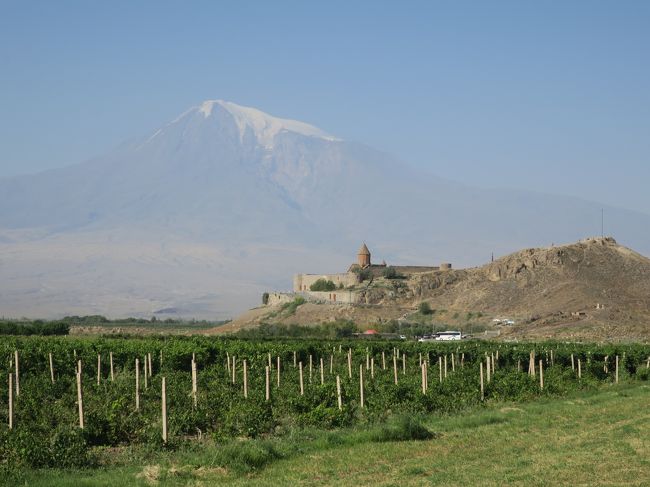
x=245, y=380
x=445, y=366
x=11, y=401
x=372, y=368
x=531, y=367
x=51, y=368
x=383, y=360
x=579, y=369
x=194, y=386
x=361, y=384
x=426, y=374
x=489, y=368
x=99, y=368
x=302, y=385
x=482, y=385
x=338, y=392
x=310, y=367
x=617, y=369
x=278, y=371
x=164, y=410
x=137, y=384
x=404, y=364
x=331, y=364
x=80, y=402
x=17, y=369
x=110, y=357
x=573, y=363
x=440, y=368
x=350, y=363
x=395, y=367
x=268, y=383
x=541, y=375
x=234, y=369
x=424, y=386
x=146, y=371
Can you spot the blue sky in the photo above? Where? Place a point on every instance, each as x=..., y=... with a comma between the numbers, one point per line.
x=550, y=96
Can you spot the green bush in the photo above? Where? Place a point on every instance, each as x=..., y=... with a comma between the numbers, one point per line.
x=391, y=273
x=402, y=428
x=322, y=285
x=425, y=308
x=290, y=308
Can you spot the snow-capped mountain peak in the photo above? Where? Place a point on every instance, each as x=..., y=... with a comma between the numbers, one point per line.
x=264, y=126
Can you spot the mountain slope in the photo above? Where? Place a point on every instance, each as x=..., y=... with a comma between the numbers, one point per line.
x=592, y=289
x=251, y=199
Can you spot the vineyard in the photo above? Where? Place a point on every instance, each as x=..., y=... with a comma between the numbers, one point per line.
x=61, y=397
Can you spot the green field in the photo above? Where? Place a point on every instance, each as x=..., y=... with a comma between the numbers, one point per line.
x=579, y=428
x=595, y=438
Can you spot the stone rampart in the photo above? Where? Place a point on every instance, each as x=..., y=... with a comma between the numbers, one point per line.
x=339, y=296
x=302, y=282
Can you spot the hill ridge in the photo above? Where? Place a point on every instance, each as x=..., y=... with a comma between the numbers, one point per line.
x=593, y=288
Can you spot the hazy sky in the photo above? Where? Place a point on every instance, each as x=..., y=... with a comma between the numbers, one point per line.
x=552, y=96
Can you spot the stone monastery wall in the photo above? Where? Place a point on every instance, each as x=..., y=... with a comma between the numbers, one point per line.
x=302, y=282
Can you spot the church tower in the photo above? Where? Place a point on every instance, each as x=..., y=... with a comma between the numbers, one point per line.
x=363, y=256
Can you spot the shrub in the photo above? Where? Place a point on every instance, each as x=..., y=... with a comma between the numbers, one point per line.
x=390, y=272
x=424, y=308
x=290, y=308
x=322, y=285
x=365, y=274
x=402, y=428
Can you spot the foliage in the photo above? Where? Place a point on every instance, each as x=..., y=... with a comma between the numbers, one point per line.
x=322, y=285
x=45, y=414
x=37, y=327
x=290, y=308
x=424, y=308
x=391, y=273
x=403, y=428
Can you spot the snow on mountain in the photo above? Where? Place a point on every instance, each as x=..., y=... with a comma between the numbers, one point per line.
x=251, y=121
x=227, y=201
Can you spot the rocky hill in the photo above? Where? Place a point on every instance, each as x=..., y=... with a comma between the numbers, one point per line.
x=592, y=289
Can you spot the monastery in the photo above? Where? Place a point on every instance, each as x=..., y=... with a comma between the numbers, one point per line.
x=345, y=282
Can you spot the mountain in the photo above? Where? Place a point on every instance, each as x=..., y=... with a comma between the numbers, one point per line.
x=594, y=289
x=225, y=201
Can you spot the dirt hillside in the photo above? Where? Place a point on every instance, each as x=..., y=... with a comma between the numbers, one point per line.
x=592, y=289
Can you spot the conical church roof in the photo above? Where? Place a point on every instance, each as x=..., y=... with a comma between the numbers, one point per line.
x=364, y=250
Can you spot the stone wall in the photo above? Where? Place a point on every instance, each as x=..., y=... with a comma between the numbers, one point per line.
x=341, y=296
x=302, y=282
x=280, y=298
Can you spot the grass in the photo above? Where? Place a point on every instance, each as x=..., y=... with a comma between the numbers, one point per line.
x=596, y=438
